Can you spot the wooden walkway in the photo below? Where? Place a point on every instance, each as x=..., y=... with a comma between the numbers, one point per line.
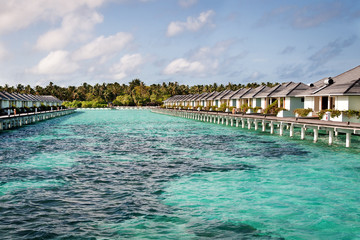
x=18, y=120
x=265, y=121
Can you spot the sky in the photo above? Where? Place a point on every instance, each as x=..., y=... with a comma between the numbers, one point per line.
x=191, y=42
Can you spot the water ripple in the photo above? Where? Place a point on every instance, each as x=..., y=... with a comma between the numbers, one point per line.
x=118, y=174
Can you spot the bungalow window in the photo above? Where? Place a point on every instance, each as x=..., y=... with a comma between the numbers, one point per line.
x=234, y=103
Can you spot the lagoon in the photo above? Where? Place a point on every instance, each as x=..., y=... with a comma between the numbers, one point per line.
x=136, y=174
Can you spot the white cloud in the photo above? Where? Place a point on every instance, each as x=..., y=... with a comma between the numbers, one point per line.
x=19, y=14
x=128, y=64
x=182, y=65
x=187, y=3
x=57, y=62
x=255, y=76
x=192, y=24
x=201, y=62
x=74, y=27
x=217, y=50
x=103, y=46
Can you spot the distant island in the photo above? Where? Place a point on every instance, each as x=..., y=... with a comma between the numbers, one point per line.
x=136, y=93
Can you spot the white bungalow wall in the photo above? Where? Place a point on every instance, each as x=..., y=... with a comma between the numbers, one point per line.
x=309, y=102
x=344, y=103
x=263, y=103
x=354, y=103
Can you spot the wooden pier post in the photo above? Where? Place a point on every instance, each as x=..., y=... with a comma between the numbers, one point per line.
x=331, y=129
x=281, y=132
x=316, y=134
x=249, y=123
x=302, y=136
x=271, y=127
x=331, y=137
x=348, y=139
x=263, y=126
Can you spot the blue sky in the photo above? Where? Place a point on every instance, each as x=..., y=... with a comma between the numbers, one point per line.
x=189, y=41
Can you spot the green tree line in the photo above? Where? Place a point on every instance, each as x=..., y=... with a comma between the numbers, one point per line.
x=136, y=93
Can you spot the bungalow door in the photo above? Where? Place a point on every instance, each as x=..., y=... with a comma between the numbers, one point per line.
x=332, y=102
x=316, y=104
x=324, y=103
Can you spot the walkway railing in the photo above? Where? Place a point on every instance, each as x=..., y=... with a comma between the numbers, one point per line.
x=18, y=120
x=272, y=122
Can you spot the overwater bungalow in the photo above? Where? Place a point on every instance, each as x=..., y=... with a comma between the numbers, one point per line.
x=207, y=100
x=249, y=98
x=4, y=101
x=198, y=101
x=9, y=99
x=23, y=102
x=226, y=99
x=235, y=99
x=219, y=99
x=172, y=101
x=339, y=96
x=340, y=93
x=184, y=101
x=210, y=100
x=203, y=100
x=289, y=96
x=265, y=96
x=17, y=100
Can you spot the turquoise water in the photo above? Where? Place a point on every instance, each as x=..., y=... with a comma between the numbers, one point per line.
x=141, y=175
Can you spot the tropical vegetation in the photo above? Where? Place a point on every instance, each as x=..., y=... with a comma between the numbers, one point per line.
x=136, y=93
